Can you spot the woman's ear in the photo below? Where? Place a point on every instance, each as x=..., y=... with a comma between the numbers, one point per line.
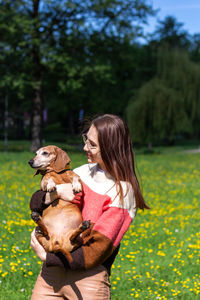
x=62, y=159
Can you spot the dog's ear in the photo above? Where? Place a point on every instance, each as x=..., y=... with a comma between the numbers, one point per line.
x=36, y=172
x=62, y=159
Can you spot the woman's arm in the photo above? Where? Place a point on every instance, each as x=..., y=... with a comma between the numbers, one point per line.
x=95, y=250
x=103, y=238
x=100, y=242
x=37, y=204
x=41, y=199
x=99, y=245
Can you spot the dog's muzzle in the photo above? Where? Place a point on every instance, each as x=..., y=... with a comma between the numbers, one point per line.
x=31, y=161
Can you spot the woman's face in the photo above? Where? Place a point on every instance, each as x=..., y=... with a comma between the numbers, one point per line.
x=92, y=147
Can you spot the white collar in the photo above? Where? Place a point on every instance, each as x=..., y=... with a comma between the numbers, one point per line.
x=99, y=175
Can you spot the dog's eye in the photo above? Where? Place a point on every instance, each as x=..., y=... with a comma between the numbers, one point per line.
x=45, y=153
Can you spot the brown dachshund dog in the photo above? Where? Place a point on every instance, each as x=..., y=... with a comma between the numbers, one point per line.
x=61, y=224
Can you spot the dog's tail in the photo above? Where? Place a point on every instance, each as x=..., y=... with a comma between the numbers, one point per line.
x=57, y=247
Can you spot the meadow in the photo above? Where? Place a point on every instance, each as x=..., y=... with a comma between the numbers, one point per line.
x=159, y=255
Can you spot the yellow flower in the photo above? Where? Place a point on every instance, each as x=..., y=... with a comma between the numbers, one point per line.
x=4, y=274
x=30, y=273
x=161, y=253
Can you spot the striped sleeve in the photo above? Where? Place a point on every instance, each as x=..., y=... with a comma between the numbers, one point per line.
x=102, y=240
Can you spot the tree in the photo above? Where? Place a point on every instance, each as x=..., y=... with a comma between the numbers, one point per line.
x=13, y=81
x=195, y=48
x=169, y=31
x=167, y=106
x=48, y=33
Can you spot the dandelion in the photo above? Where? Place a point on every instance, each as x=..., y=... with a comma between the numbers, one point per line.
x=4, y=274
x=161, y=253
x=30, y=273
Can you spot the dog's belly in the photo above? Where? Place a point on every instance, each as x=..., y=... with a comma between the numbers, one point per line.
x=60, y=220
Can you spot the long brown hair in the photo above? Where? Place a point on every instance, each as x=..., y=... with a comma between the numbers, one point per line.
x=117, y=154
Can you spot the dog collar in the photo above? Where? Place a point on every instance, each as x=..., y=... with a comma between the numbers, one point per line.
x=67, y=168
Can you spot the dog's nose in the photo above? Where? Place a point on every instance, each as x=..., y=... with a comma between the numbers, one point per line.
x=31, y=162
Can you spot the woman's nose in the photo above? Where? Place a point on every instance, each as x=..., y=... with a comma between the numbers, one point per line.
x=85, y=148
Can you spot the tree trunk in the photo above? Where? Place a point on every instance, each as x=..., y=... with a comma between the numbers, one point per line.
x=37, y=104
x=36, y=121
x=71, y=124
x=150, y=146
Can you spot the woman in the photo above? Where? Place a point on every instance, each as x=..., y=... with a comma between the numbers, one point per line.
x=111, y=196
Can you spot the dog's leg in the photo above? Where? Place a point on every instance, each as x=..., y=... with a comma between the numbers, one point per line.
x=65, y=252
x=76, y=185
x=51, y=186
x=38, y=231
x=67, y=244
x=38, y=220
x=60, y=245
x=84, y=225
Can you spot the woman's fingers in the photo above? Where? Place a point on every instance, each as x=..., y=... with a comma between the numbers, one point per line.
x=33, y=239
x=37, y=247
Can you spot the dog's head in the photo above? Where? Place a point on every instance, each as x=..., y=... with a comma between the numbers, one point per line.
x=50, y=158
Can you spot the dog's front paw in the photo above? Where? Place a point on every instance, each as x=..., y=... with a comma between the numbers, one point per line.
x=76, y=185
x=51, y=186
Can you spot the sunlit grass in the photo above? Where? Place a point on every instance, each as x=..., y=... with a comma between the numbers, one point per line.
x=159, y=255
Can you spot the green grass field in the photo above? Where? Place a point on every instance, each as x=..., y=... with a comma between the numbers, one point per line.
x=159, y=255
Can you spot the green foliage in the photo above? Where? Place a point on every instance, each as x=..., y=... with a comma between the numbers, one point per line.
x=167, y=106
x=51, y=48
x=195, y=48
x=171, y=32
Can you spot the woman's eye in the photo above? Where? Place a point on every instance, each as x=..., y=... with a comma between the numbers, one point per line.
x=93, y=145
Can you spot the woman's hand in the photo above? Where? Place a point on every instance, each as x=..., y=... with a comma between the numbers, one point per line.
x=63, y=191
x=39, y=250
